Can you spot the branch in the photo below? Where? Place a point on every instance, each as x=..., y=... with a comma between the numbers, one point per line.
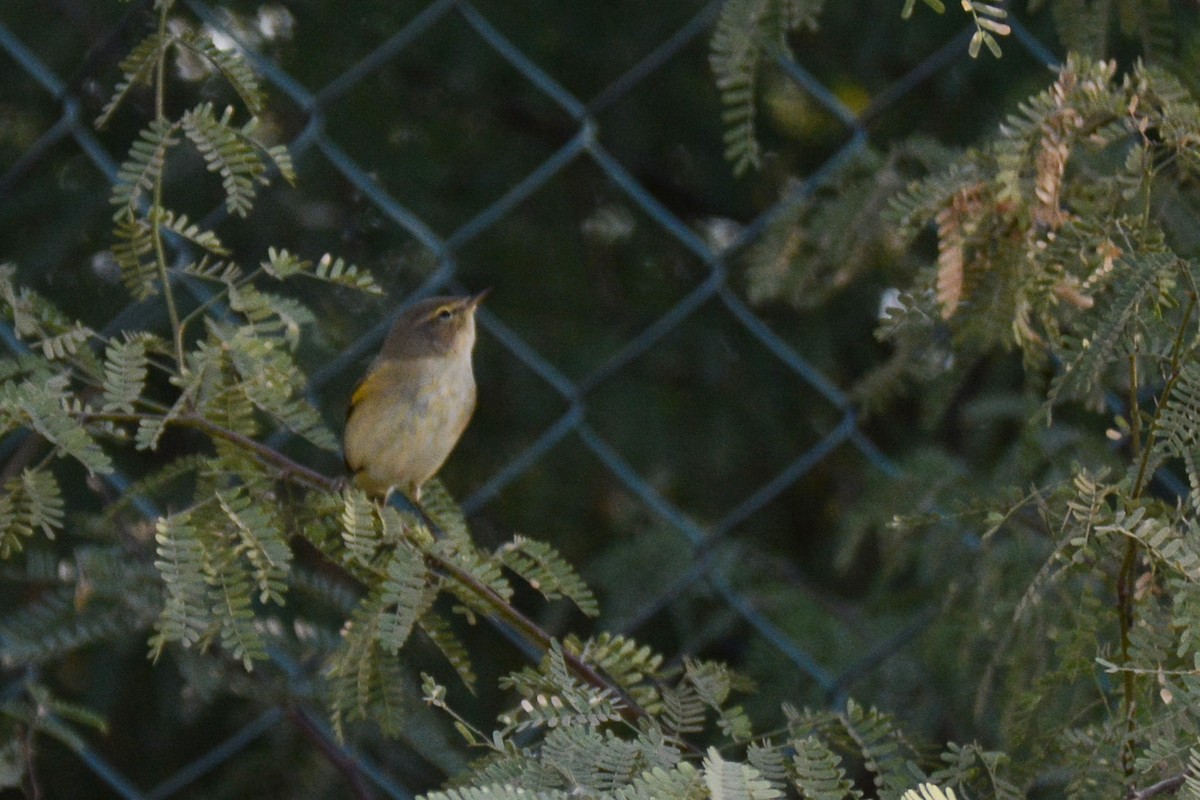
x=1171, y=784
x=503, y=613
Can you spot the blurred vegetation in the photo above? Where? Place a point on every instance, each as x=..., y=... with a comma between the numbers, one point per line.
x=900, y=579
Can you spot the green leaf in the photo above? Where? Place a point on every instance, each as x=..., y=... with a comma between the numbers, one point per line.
x=817, y=772
x=30, y=503
x=201, y=364
x=143, y=169
x=360, y=526
x=137, y=69
x=43, y=408
x=353, y=673
x=270, y=379
x=729, y=780
x=882, y=749
x=442, y=635
x=683, y=710
x=439, y=505
x=232, y=609
x=125, y=370
x=541, y=566
x=40, y=499
x=496, y=792
x=336, y=271
x=134, y=252
x=405, y=597
x=271, y=315
x=260, y=540
x=229, y=152
x=181, y=562
x=181, y=226
x=1091, y=353
x=232, y=67
x=66, y=343
x=282, y=265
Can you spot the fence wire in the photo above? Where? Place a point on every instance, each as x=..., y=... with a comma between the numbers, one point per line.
x=573, y=427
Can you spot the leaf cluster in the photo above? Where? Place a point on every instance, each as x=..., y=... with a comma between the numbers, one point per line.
x=584, y=747
x=747, y=34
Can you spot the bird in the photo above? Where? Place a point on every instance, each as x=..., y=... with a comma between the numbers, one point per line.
x=411, y=407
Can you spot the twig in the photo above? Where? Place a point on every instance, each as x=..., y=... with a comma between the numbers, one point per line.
x=527, y=628
x=27, y=753
x=1171, y=784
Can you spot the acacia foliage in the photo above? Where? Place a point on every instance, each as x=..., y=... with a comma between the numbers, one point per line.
x=215, y=531
x=1067, y=239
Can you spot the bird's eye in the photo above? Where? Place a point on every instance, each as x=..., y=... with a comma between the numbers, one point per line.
x=445, y=313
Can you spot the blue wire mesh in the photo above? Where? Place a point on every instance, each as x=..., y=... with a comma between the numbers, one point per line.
x=573, y=427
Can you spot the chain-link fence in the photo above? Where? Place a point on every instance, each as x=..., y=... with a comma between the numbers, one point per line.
x=568, y=388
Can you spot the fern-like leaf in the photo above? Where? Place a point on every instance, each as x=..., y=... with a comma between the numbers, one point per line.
x=439, y=505
x=229, y=153
x=204, y=363
x=729, y=780
x=554, y=698
x=361, y=676
x=482, y=567
x=541, y=566
x=360, y=526
x=228, y=273
x=282, y=264
x=43, y=408
x=683, y=711
x=633, y=666
x=404, y=597
x=1177, y=434
x=56, y=624
x=735, y=53
x=181, y=226
x=496, y=792
x=747, y=31
x=270, y=379
x=258, y=537
x=983, y=767
x=66, y=343
x=271, y=315
x=134, y=253
x=30, y=503
x=40, y=500
x=232, y=608
x=714, y=683
x=137, y=69
x=232, y=67
x=816, y=771
x=1165, y=542
x=144, y=167
x=770, y=762
x=181, y=563
x=451, y=647
x=125, y=370
x=684, y=780
x=336, y=271
x=1091, y=353
x=882, y=749
x=351, y=677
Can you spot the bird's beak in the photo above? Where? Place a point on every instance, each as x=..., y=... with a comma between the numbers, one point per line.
x=474, y=300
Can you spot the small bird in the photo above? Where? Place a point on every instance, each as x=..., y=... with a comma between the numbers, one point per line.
x=416, y=399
